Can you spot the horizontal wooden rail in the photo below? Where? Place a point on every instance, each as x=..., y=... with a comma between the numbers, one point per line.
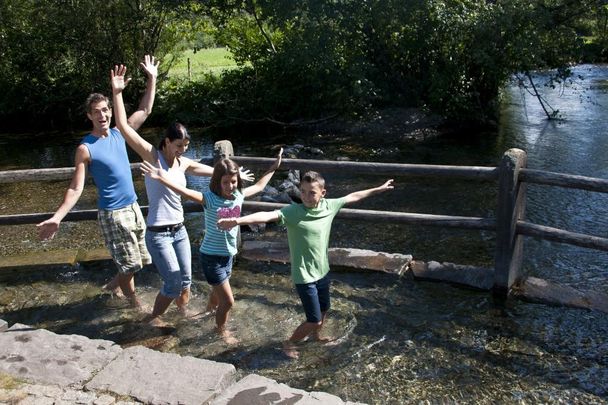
x=562, y=236
x=376, y=216
x=563, y=180
x=61, y=173
x=397, y=169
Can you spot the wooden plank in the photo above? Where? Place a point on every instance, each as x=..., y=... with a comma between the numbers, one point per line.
x=564, y=180
x=562, y=236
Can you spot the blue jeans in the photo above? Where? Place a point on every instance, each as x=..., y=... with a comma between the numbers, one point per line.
x=315, y=298
x=172, y=257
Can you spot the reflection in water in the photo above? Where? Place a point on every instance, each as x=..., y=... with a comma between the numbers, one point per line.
x=399, y=341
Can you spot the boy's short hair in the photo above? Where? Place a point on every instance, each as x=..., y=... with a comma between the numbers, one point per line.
x=95, y=98
x=313, y=177
x=222, y=168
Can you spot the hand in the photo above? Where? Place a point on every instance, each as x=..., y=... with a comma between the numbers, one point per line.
x=154, y=172
x=277, y=162
x=245, y=174
x=47, y=229
x=226, y=223
x=389, y=185
x=118, y=80
x=150, y=67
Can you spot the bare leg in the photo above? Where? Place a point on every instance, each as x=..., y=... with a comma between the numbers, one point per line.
x=127, y=285
x=113, y=286
x=223, y=293
x=160, y=306
x=213, y=301
x=316, y=334
x=182, y=301
x=301, y=332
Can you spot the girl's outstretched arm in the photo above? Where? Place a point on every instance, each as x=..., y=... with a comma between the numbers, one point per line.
x=159, y=174
x=255, y=218
x=359, y=195
x=263, y=181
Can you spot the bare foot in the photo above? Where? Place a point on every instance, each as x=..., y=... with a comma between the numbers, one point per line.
x=113, y=288
x=154, y=321
x=199, y=315
x=327, y=340
x=135, y=303
x=227, y=337
x=290, y=350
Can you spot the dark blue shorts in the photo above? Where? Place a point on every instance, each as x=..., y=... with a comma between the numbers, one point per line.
x=216, y=269
x=315, y=298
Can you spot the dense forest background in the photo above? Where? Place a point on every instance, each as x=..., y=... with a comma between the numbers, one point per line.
x=296, y=61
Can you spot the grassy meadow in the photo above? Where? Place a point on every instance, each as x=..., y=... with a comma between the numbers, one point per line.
x=209, y=60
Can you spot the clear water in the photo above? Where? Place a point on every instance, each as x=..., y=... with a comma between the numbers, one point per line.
x=399, y=340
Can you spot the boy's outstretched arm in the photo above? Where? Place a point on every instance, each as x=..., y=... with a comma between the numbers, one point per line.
x=255, y=218
x=157, y=173
x=359, y=195
x=258, y=187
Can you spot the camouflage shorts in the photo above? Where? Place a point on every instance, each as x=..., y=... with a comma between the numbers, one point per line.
x=124, y=231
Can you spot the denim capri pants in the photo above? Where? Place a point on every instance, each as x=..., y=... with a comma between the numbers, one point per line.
x=217, y=269
x=172, y=256
x=315, y=298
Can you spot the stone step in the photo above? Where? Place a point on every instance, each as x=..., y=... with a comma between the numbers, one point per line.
x=57, y=367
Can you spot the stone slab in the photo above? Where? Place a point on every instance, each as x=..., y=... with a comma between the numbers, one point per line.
x=543, y=291
x=45, y=357
x=255, y=389
x=349, y=257
x=476, y=277
x=163, y=378
x=3, y=325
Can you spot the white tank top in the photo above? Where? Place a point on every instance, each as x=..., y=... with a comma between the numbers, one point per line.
x=165, y=205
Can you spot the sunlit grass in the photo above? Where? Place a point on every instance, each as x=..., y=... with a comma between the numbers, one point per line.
x=210, y=60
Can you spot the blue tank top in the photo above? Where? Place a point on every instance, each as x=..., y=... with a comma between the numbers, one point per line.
x=110, y=169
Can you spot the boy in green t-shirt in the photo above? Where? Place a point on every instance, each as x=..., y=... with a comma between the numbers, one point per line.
x=308, y=228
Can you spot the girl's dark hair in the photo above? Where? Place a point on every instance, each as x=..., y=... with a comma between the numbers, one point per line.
x=222, y=168
x=174, y=132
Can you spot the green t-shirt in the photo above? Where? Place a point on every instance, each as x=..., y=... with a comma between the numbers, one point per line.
x=308, y=232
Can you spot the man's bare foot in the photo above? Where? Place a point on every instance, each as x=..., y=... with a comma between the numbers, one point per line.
x=113, y=288
x=135, y=303
x=290, y=350
x=227, y=337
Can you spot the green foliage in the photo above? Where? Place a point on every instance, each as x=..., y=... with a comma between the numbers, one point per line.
x=295, y=59
x=54, y=53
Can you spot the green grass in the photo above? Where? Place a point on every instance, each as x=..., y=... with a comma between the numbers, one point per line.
x=210, y=60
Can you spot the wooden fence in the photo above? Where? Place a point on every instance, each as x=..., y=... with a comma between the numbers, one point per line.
x=509, y=224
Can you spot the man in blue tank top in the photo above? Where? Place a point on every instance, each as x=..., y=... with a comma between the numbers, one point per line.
x=104, y=154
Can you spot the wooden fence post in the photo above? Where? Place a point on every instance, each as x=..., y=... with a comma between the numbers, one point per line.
x=511, y=208
x=221, y=150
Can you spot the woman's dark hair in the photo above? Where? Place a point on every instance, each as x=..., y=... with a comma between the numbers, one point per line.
x=222, y=168
x=174, y=132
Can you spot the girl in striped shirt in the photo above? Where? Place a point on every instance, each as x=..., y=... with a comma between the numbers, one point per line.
x=223, y=200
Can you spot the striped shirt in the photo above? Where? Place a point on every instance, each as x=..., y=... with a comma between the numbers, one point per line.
x=218, y=242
